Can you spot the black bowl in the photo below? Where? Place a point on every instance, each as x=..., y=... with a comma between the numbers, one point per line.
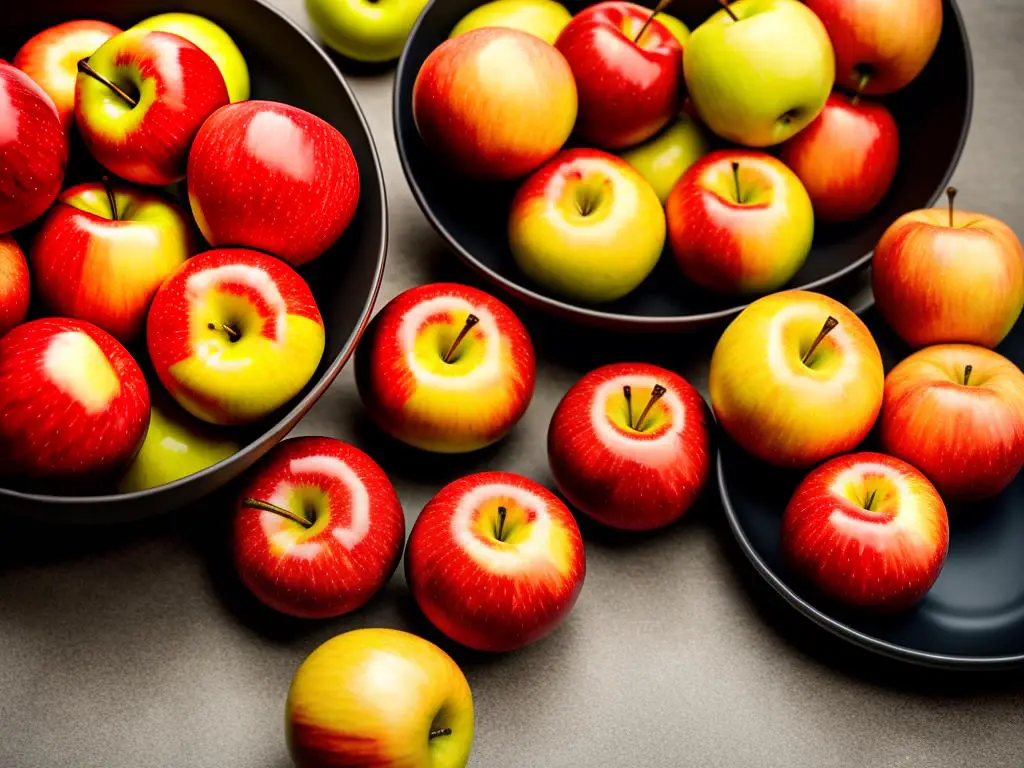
x=284, y=65
x=974, y=615
x=933, y=114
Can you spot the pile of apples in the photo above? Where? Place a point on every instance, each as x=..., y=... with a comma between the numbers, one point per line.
x=115, y=266
x=644, y=104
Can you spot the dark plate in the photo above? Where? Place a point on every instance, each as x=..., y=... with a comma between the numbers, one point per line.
x=974, y=615
x=933, y=114
x=284, y=65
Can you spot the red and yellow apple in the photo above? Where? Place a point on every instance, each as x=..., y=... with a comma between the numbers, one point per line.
x=15, y=290
x=544, y=18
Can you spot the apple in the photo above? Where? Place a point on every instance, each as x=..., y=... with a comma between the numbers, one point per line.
x=234, y=334
x=846, y=158
x=272, y=177
x=587, y=226
x=446, y=368
x=796, y=378
x=495, y=103
x=880, y=46
x=365, y=30
x=544, y=18
x=33, y=150
x=74, y=405
x=759, y=71
x=139, y=118
x=949, y=276
x=679, y=30
x=628, y=69
x=629, y=446
x=14, y=285
x=379, y=697
x=213, y=41
x=868, y=530
x=663, y=159
x=495, y=561
x=956, y=412
x=51, y=59
x=318, y=530
x=739, y=221
x=103, y=252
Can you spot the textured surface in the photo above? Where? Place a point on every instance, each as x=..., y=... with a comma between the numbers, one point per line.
x=135, y=647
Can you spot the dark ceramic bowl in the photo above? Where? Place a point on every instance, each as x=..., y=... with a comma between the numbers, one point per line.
x=284, y=65
x=933, y=115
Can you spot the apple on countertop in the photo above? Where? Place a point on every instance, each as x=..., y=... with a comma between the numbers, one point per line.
x=365, y=30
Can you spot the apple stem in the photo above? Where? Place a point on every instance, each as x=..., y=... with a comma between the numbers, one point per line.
x=440, y=732
x=111, y=198
x=265, y=506
x=470, y=322
x=951, y=193
x=736, y=180
x=862, y=83
x=658, y=9
x=627, y=392
x=830, y=325
x=725, y=5
x=870, y=501
x=967, y=374
x=502, y=512
x=656, y=394
x=86, y=69
x=233, y=334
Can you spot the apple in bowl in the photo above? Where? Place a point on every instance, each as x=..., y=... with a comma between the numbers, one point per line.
x=15, y=290
x=544, y=18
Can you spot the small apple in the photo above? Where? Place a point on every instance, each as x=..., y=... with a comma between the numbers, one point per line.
x=234, y=334
x=663, y=159
x=679, y=31
x=867, y=529
x=446, y=368
x=495, y=561
x=629, y=446
x=14, y=285
x=544, y=18
x=587, y=226
x=379, y=697
x=365, y=30
x=495, y=103
x=759, y=71
x=740, y=221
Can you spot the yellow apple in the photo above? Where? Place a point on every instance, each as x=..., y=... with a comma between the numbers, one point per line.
x=544, y=18
x=680, y=31
x=663, y=160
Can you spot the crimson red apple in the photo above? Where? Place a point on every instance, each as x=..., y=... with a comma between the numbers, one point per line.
x=14, y=285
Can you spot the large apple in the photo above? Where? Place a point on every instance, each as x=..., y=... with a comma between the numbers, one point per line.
x=759, y=71
x=587, y=226
x=365, y=30
x=544, y=18
x=272, y=177
x=663, y=159
x=14, y=285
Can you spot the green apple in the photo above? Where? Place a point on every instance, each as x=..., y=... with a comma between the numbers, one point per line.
x=759, y=71
x=680, y=31
x=365, y=30
x=663, y=159
x=214, y=41
x=544, y=18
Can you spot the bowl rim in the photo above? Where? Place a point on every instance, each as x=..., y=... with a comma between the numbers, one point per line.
x=592, y=316
x=278, y=430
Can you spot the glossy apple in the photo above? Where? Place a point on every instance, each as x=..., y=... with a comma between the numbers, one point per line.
x=365, y=30
x=679, y=30
x=663, y=159
x=318, y=529
x=379, y=697
x=495, y=561
x=15, y=290
x=587, y=226
x=495, y=103
x=544, y=18
x=272, y=177
x=739, y=221
x=234, y=334
x=446, y=368
x=956, y=412
x=796, y=378
x=629, y=446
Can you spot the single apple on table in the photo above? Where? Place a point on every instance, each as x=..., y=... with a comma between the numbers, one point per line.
x=15, y=286
x=663, y=159
x=544, y=18
x=365, y=30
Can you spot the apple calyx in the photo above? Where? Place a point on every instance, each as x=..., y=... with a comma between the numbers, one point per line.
x=736, y=181
x=661, y=6
x=266, y=506
x=86, y=69
x=951, y=193
x=656, y=394
x=826, y=329
x=111, y=198
x=471, y=321
x=499, y=534
x=968, y=370
x=438, y=732
x=725, y=5
x=627, y=392
x=232, y=332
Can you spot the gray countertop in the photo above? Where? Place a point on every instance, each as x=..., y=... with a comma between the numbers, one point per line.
x=134, y=647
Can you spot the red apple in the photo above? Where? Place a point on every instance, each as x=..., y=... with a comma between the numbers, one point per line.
x=14, y=285
x=628, y=70
x=956, y=412
x=319, y=528
x=73, y=403
x=846, y=158
x=867, y=529
x=629, y=446
x=495, y=561
x=272, y=177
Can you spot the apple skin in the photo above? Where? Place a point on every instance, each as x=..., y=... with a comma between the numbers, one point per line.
x=51, y=59
x=478, y=104
x=489, y=593
x=544, y=18
x=663, y=159
x=968, y=439
x=365, y=30
x=280, y=335
x=935, y=283
x=33, y=150
x=272, y=177
x=373, y=697
x=628, y=90
x=345, y=557
x=846, y=158
x=91, y=266
x=884, y=558
x=15, y=285
x=891, y=42
x=762, y=79
x=779, y=409
x=587, y=226
x=731, y=246
x=624, y=478
x=679, y=30
x=73, y=403
x=457, y=407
